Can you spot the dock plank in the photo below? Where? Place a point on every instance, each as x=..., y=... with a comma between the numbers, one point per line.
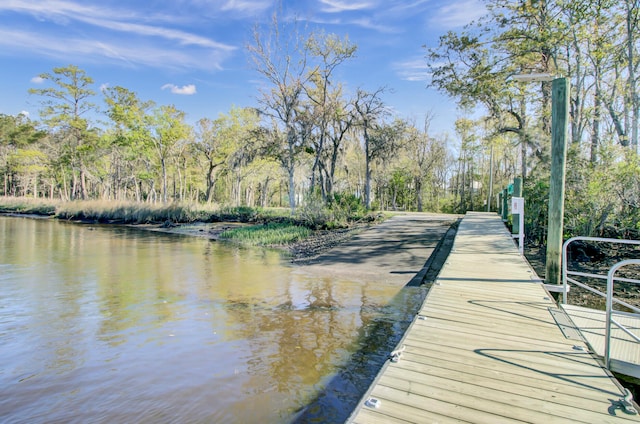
x=485, y=348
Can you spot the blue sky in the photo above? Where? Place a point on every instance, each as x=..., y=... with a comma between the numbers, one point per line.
x=191, y=53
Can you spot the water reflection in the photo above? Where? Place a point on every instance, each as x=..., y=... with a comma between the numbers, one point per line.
x=112, y=324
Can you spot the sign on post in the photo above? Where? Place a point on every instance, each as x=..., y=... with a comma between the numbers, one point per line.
x=517, y=207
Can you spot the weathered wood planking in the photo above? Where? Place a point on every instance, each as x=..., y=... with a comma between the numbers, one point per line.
x=485, y=348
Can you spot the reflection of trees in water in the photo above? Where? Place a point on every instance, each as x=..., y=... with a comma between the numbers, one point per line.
x=302, y=351
x=296, y=344
x=243, y=323
x=138, y=282
x=379, y=335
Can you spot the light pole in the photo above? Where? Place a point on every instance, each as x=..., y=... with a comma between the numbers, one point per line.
x=559, y=127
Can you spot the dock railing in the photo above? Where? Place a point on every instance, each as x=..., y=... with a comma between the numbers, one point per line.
x=568, y=278
x=610, y=312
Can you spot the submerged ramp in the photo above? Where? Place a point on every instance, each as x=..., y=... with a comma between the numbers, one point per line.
x=485, y=348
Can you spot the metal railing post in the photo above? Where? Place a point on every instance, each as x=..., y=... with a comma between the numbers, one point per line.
x=609, y=310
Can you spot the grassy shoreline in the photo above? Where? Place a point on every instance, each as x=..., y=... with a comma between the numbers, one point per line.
x=271, y=227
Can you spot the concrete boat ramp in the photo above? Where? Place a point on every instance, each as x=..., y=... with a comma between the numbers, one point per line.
x=485, y=348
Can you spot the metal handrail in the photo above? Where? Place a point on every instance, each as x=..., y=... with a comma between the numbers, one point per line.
x=566, y=272
x=610, y=319
x=610, y=300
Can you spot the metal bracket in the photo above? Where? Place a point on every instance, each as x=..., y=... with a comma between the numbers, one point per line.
x=372, y=403
x=556, y=288
x=627, y=403
x=396, y=354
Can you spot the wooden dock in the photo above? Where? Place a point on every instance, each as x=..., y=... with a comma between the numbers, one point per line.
x=485, y=348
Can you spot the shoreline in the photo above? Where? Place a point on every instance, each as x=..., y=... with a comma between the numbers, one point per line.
x=301, y=251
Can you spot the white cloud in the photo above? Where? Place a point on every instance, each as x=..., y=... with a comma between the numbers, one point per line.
x=37, y=80
x=338, y=6
x=24, y=113
x=63, y=12
x=73, y=49
x=104, y=87
x=413, y=70
x=246, y=6
x=369, y=24
x=187, y=90
x=184, y=38
x=460, y=13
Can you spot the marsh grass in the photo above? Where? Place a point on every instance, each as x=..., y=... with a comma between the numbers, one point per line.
x=27, y=205
x=270, y=234
x=132, y=213
x=274, y=226
x=120, y=212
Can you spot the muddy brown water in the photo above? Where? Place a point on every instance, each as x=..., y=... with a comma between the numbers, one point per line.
x=112, y=324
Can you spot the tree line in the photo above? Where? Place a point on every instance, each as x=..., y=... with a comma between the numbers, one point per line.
x=308, y=140
x=311, y=140
x=593, y=43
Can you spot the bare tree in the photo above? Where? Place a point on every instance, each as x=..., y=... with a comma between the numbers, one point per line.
x=370, y=109
x=280, y=56
x=322, y=92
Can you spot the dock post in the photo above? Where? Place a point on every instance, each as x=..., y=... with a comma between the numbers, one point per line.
x=559, y=127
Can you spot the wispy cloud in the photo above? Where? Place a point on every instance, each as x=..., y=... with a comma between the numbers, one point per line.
x=370, y=24
x=459, y=13
x=37, y=80
x=246, y=6
x=186, y=90
x=413, y=70
x=338, y=6
x=408, y=5
x=363, y=22
x=132, y=55
x=184, y=38
x=64, y=12
x=146, y=44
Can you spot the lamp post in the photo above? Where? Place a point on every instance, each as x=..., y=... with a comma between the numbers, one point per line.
x=559, y=127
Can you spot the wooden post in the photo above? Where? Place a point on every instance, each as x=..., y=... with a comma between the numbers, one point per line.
x=559, y=128
x=517, y=192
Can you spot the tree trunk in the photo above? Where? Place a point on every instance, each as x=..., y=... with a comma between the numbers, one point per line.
x=633, y=89
x=83, y=183
x=524, y=139
x=595, y=127
x=367, y=174
x=210, y=182
x=74, y=186
x=164, y=180
x=418, y=184
x=292, y=193
x=291, y=168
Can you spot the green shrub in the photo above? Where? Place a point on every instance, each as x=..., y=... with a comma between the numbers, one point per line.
x=315, y=214
x=238, y=214
x=348, y=207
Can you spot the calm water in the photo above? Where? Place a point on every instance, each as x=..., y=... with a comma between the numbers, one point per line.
x=108, y=324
